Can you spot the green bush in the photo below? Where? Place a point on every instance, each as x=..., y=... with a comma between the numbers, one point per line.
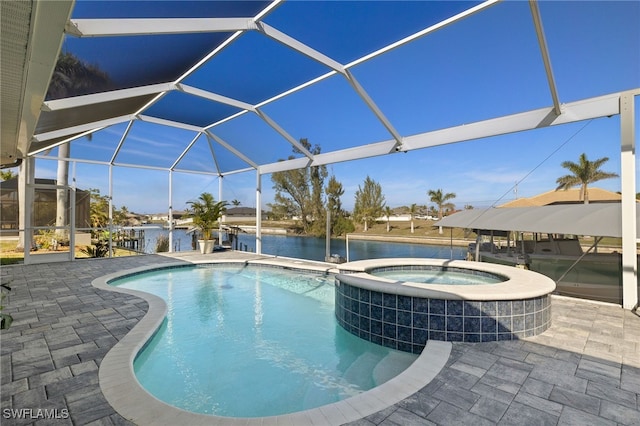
x=343, y=226
x=99, y=249
x=44, y=239
x=162, y=244
x=5, y=319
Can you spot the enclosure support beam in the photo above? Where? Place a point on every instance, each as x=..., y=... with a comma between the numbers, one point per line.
x=154, y=26
x=258, y=212
x=72, y=213
x=220, y=199
x=26, y=178
x=542, y=42
x=170, y=211
x=629, y=205
x=110, y=210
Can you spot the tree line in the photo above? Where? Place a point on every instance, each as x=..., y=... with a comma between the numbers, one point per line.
x=302, y=194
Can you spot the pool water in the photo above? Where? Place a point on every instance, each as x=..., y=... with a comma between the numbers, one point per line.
x=252, y=341
x=439, y=277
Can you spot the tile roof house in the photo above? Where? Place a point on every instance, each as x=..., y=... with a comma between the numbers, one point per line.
x=569, y=196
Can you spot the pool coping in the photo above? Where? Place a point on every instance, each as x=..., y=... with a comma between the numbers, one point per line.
x=125, y=394
x=521, y=283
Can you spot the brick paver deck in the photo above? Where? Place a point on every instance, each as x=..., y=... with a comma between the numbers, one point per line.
x=584, y=370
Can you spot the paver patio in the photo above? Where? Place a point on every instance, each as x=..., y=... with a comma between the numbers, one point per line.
x=584, y=370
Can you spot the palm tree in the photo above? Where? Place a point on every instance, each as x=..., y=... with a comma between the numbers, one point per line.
x=412, y=213
x=440, y=199
x=71, y=77
x=583, y=173
x=387, y=212
x=206, y=212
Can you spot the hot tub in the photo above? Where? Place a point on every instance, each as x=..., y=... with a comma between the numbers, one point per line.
x=404, y=315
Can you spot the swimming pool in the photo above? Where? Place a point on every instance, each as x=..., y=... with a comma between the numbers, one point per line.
x=249, y=340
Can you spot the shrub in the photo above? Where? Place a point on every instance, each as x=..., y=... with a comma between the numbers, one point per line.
x=5, y=319
x=162, y=244
x=99, y=249
x=343, y=226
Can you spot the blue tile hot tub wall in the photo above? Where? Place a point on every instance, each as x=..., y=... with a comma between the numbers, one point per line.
x=406, y=323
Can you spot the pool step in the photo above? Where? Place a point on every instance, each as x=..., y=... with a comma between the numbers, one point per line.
x=392, y=365
x=360, y=370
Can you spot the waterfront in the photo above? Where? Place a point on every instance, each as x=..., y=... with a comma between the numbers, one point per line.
x=312, y=248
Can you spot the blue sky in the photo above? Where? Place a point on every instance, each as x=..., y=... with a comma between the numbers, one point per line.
x=484, y=67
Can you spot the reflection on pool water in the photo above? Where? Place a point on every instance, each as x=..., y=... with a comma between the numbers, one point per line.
x=437, y=276
x=251, y=341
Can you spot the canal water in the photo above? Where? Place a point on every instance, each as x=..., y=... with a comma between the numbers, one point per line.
x=314, y=248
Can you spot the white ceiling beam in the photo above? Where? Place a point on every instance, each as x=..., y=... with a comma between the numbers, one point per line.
x=379, y=52
x=211, y=54
x=214, y=97
x=268, y=9
x=148, y=105
x=114, y=95
x=300, y=47
x=224, y=120
x=284, y=134
x=237, y=171
x=422, y=33
x=69, y=159
x=232, y=149
x=170, y=123
x=154, y=26
x=62, y=142
x=139, y=166
x=355, y=153
x=371, y=150
x=181, y=156
x=373, y=107
x=602, y=106
x=195, y=67
x=385, y=49
x=121, y=142
x=281, y=166
x=297, y=88
x=546, y=59
x=213, y=154
x=132, y=166
x=41, y=137
x=199, y=172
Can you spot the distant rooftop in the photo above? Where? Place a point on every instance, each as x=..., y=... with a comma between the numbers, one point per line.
x=569, y=196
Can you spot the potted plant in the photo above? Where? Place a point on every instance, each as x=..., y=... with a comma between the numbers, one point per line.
x=5, y=319
x=206, y=212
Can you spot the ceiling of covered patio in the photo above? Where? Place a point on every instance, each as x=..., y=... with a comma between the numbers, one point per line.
x=227, y=87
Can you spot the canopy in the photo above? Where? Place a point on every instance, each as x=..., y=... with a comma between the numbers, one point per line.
x=222, y=87
x=601, y=219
